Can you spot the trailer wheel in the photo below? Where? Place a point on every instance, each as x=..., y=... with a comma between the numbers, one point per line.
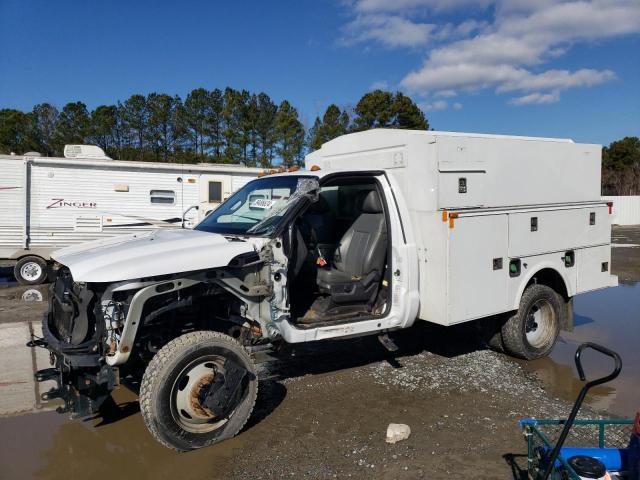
x=177, y=382
x=533, y=330
x=31, y=270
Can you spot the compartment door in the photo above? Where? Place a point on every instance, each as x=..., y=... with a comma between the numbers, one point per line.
x=461, y=189
x=594, y=268
x=478, y=267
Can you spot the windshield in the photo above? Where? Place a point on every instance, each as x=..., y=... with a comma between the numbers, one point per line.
x=259, y=206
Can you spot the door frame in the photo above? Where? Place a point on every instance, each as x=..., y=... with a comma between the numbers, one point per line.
x=404, y=294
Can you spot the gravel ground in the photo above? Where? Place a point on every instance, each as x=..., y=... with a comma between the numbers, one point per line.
x=462, y=404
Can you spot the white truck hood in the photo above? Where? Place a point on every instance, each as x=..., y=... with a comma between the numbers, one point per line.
x=148, y=254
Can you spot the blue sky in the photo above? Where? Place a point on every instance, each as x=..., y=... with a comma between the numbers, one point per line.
x=548, y=68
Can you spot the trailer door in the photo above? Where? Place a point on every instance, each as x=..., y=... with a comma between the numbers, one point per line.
x=214, y=189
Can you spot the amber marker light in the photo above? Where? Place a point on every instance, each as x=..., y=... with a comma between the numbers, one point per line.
x=452, y=217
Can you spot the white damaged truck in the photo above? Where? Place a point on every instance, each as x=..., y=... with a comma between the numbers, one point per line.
x=382, y=229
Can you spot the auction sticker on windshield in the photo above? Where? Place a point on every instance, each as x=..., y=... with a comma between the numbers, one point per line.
x=263, y=203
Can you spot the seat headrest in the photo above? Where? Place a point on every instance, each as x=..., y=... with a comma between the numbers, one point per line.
x=371, y=203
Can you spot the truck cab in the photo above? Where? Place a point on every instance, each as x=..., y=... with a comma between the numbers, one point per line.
x=380, y=230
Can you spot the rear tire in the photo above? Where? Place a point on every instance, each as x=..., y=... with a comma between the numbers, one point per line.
x=31, y=270
x=533, y=330
x=171, y=391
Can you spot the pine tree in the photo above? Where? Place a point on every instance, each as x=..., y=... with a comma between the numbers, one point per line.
x=45, y=117
x=232, y=126
x=374, y=110
x=290, y=135
x=135, y=116
x=103, y=124
x=163, y=110
x=379, y=109
x=73, y=125
x=406, y=114
x=265, y=128
x=193, y=117
x=16, y=129
x=315, y=137
x=215, y=124
x=334, y=123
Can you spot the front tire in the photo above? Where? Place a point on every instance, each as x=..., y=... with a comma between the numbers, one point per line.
x=533, y=330
x=176, y=381
x=31, y=270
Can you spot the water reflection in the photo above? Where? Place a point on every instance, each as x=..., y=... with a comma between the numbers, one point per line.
x=125, y=449
x=610, y=317
x=32, y=295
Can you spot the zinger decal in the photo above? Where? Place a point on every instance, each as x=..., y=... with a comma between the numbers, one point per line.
x=62, y=203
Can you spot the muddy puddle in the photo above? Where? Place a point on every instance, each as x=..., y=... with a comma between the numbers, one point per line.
x=49, y=446
x=610, y=317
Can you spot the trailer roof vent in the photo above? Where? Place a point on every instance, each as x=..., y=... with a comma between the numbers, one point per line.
x=92, y=152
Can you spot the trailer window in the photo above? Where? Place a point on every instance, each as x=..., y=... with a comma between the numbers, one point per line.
x=215, y=192
x=167, y=197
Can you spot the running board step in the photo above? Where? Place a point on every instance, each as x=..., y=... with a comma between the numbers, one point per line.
x=387, y=343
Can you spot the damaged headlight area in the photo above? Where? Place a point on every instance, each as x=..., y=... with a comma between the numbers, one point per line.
x=74, y=332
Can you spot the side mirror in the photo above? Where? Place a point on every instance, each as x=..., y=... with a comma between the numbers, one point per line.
x=184, y=214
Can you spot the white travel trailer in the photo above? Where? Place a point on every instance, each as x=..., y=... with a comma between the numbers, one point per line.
x=383, y=229
x=50, y=203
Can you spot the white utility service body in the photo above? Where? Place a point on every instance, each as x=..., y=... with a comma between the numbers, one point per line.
x=49, y=203
x=470, y=204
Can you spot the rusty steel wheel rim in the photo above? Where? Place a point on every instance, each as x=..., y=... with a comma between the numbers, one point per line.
x=187, y=392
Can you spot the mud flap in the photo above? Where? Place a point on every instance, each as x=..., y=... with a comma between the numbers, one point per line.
x=567, y=321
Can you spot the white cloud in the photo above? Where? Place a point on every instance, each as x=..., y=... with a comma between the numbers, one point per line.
x=457, y=106
x=391, y=31
x=536, y=98
x=436, y=105
x=446, y=93
x=507, y=54
x=404, y=5
x=559, y=79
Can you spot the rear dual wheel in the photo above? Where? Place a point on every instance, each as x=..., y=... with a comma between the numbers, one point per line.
x=178, y=380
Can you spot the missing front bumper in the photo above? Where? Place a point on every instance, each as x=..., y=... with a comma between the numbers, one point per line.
x=83, y=381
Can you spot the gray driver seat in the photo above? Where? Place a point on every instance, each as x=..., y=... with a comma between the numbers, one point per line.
x=358, y=262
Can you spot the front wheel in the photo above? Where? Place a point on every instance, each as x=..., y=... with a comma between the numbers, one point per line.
x=533, y=330
x=198, y=390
